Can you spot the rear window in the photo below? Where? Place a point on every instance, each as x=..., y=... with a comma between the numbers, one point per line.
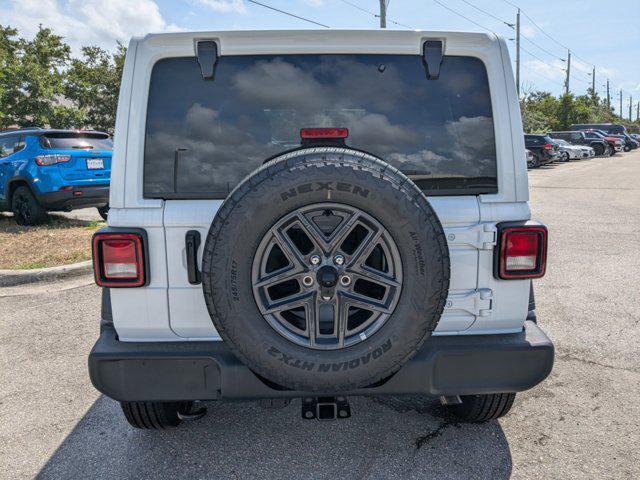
x=68, y=140
x=439, y=132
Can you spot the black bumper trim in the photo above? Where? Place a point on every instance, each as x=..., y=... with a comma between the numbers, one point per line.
x=445, y=365
x=92, y=196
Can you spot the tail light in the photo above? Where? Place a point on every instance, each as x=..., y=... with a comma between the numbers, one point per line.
x=547, y=146
x=119, y=258
x=51, y=159
x=324, y=133
x=521, y=251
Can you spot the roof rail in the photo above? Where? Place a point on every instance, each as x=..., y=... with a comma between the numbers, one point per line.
x=19, y=129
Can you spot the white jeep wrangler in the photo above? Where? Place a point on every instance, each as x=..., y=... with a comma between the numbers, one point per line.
x=318, y=214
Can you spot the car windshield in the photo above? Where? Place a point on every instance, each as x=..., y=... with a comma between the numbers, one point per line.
x=438, y=132
x=76, y=140
x=561, y=142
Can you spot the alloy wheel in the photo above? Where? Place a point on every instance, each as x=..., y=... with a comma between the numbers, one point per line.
x=327, y=276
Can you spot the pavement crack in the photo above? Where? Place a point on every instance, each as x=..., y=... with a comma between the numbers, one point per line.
x=572, y=357
x=423, y=440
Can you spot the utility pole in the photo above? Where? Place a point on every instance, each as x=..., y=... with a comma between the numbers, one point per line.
x=518, y=52
x=620, y=111
x=608, y=96
x=638, y=111
x=593, y=81
x=383, y=14
x=630, y=107
x=566, y=83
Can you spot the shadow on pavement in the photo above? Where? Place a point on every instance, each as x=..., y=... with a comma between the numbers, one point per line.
x=389, y=438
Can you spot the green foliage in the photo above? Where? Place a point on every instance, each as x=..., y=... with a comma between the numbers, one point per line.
x=93, y=83
x=542, y=112
x=9, y=45
x=41, y=85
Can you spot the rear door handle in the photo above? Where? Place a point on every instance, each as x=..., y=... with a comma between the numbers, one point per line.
x=192, y=243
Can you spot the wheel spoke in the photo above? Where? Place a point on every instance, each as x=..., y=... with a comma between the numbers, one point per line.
x=276, y=278
x=343, y=231
x=287, y=303
x=374, y=276
x=364, y=249
x=289, y=249
x=359, y=300
x=317, y=238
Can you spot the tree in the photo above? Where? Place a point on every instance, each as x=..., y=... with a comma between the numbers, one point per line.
x=9, y=46
x=93, y=83
x=40, y=72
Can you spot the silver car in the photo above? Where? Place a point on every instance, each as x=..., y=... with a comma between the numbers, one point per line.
x=572, y=152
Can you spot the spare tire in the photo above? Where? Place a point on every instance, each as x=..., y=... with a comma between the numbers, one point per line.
x=325, y=270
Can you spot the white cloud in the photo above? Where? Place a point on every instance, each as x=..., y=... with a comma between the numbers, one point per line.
x=528, y=31
x=224, y=5
x=549, y=70
x=87, y=22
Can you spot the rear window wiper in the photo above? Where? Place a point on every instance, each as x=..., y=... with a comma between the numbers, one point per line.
x=87, y=147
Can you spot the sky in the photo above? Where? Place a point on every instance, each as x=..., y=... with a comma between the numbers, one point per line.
x=600, y=35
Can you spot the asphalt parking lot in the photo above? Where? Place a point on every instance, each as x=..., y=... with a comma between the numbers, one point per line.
x=582, y=422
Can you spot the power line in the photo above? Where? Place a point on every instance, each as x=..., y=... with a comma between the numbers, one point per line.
x=542, y=76
x=347, y=2
x=546, y=34
x=289, y=14
x=541, y=48
x=360, y=8
x=511, y=25
x=466, y=18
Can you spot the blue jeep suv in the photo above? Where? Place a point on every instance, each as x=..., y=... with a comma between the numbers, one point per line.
x=53, y=170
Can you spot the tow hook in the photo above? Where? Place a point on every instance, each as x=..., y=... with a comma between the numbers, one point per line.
x=325, y=408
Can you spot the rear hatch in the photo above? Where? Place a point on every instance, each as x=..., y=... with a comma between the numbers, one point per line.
x=206, y=136
x=90, y=154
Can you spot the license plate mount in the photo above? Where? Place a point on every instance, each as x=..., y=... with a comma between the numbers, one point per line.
x=95, y=164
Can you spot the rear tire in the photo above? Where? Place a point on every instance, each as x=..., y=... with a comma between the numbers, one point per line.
x=154, y=415
x=103, y=211
x=535, y=163
x=566, y=157
x=599, y=150
x=26, y=209
x=290, y=189
x=482, y=408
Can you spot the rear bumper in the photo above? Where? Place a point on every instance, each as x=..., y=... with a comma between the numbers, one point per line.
x=445, y=365
x=77, y=197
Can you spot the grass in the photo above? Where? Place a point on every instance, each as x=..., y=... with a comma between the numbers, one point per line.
x=60, y=241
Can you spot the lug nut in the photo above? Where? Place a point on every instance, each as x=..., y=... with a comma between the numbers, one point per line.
x=345, y=281
x=338, y=259
x=307, y=281
x=315, y=259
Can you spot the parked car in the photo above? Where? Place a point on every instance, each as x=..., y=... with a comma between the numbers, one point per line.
x=532, y=161
x=599, y=145
x=542, y=147
x=627, y=142
x=297, y=246
x=632, y=141
x=53, y=170
x=614, y=128
x=616, y=144
x=635, y=136
x=570, y=152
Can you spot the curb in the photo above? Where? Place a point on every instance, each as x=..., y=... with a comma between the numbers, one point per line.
x=9, y=278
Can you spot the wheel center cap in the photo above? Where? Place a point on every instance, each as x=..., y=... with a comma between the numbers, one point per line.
x=327, y=276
